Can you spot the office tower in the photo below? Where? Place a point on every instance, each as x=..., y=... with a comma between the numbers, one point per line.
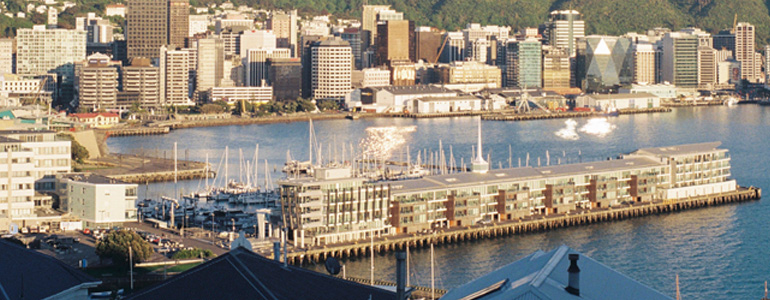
x=285, y=28
x=42, y=51
x=211, y=62
x=142, y=80
x=178, y=21
x=252, y=39
x=707, y=67
x=7, y=50
x=174, y=76
x=331, y=69
x=232, y=20
x=746, y=53
x=563, y=29
x=479, y=38
x=454, y=48
x=427, y=42
x=725, y=39
x=307, y=42
x=353, y=37
x=523, y=63
x=679, y=61
x=704, y=38
x=470, y=73
x=255, y=63
x=146, y=27
x=393, y=41
x=97, y=83
x=231, y=39
x=556, y=68
x=644, y=63
x=604, y=61
x=374, y=13
x=285, y=76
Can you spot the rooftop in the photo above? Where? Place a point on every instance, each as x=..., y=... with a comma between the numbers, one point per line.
x=680, y=149
x=415, y=89
x=242, y=274
x=32, y=275
x=543, y=275
x=621, y=96
x=92, y=178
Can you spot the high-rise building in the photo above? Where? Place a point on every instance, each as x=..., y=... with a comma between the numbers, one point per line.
x=563, y=29
x=427, y=42
x=523, y=63
x=704, y=38
x=471, y=73
x=604, y=61
x=679, y=61
x=285, y=76
x=96, y=83
x=253, y=39
x=477, y=50
x=745, y=52
x=174, y=76
x=231, y=38
x=142, y=80
x=644, y=63
x=331, y=69
x=42, y=51
x=178, y=21
x=454, y=48
x=211, y=62
x=393, y=41
x=306, y=54
x=7, y=50
x=479, y=38
x=374, y=13
x=146, y=27
x=285, y=28
x=767, y=65
x=556, y=68
x=725, y=39
x=255, y=64
x=707, y=67
x=353, y=37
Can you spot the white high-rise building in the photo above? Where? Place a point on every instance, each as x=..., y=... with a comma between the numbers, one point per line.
x=52, y=155
x=16, y=175
x=332, y=64
x=6, y=56
x=253, y=39
x=644, y=63
x=174, y=76
x=746, y=53
x=97, y=83
x=563, y=29
x=40, y=51
x=255, y=63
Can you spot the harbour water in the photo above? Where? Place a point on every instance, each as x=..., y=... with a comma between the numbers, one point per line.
x=718, y=253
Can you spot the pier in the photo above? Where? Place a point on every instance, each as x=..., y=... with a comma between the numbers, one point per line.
x=538, y=116
x=530, y=224
x=137, y=131
x=143, y=169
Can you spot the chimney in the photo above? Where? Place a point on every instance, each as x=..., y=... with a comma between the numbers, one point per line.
x=574, y=275
x=400, y=275
x=277, y=251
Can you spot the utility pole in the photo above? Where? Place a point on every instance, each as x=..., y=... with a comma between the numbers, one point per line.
x=131, y=265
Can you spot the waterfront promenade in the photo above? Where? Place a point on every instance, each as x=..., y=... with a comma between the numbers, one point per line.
x=520, y=226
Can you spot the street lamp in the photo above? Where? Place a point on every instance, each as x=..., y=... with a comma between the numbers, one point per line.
x=233, y=220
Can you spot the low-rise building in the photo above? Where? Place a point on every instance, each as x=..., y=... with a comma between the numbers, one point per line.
x=664, y=91
x=607, y=102
x=96, y=120
x=398, y=98
x=328, y=209
x=51, y=155
x=99, y=201
x=231, y=95
x=471, y=72
x=434, y=105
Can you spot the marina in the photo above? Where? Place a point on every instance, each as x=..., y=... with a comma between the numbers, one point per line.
x=535, y=137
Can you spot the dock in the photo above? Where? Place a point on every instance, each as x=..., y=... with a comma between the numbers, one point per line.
x=137, y=131
x=538, y=116
x=144, y=169
x=521, y=226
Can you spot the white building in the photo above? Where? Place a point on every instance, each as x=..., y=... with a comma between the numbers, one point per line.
x=332, y=65
x=664, y=91
x=253, y=39
x=115, y=10
x=51, y=155
x=371, y=77
x=100, y=202
x=6, y=56
x=40, y=51
x=174, y=76
x=17, y=182
x=199, y=24
x=399, y=98
x=606, y=102
x=564, y=28
x=231, y=95
x=434, y=105
x=255, y=63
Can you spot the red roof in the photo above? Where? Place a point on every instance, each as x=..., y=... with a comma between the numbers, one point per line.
x=94, y=115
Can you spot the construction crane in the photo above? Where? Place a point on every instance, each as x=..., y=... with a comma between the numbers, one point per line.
x=440, y=50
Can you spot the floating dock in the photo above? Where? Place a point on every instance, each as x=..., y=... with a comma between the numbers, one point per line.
x=137, y=131
x=521, y=226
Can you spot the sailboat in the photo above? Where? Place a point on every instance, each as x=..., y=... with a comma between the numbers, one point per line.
x=294, y=167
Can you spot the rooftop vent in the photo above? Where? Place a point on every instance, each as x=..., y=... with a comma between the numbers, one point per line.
x=451, y=179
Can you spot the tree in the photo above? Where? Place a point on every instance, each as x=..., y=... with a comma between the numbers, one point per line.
x=78, y=152
x=115, y=246
x=328, y=105
x=211, y=108
x=193, y=253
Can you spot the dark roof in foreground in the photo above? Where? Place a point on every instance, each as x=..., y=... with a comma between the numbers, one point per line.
x=242, y=274
x=43, y=275
x=680, y=149
x=543, y=276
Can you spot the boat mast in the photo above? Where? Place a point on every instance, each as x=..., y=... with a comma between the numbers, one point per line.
x=310, y=141
x=256, y=166
x=226, y=169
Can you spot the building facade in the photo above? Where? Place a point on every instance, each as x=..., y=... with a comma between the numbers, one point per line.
x=211, y=63
x=146, y=27
x=745, y=52
x=680, y=59
x=604, y=61
x=556, y=68
x=285, y=28
x=178, y=22
x=524, y=64
x=285, y=76
x=98, y=201
x=142, y=80
x=174, y=76
x=332, y=64
x=96, y=83
x=255, y=63
x=564, y=28
x=42, y=51
x=644, y=63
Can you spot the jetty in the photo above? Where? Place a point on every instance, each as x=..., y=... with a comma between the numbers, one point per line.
x=137, y=131
x=526, y=225
x=143, y=169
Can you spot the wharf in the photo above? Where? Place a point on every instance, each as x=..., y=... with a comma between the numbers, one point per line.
x=691, y=103
x=521, y=226
x=142, y=169
x=438, y=115
x=644, y=110
x=538, y=116
x=136, y=131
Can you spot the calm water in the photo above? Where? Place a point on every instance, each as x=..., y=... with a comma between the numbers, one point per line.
x=719, y=253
